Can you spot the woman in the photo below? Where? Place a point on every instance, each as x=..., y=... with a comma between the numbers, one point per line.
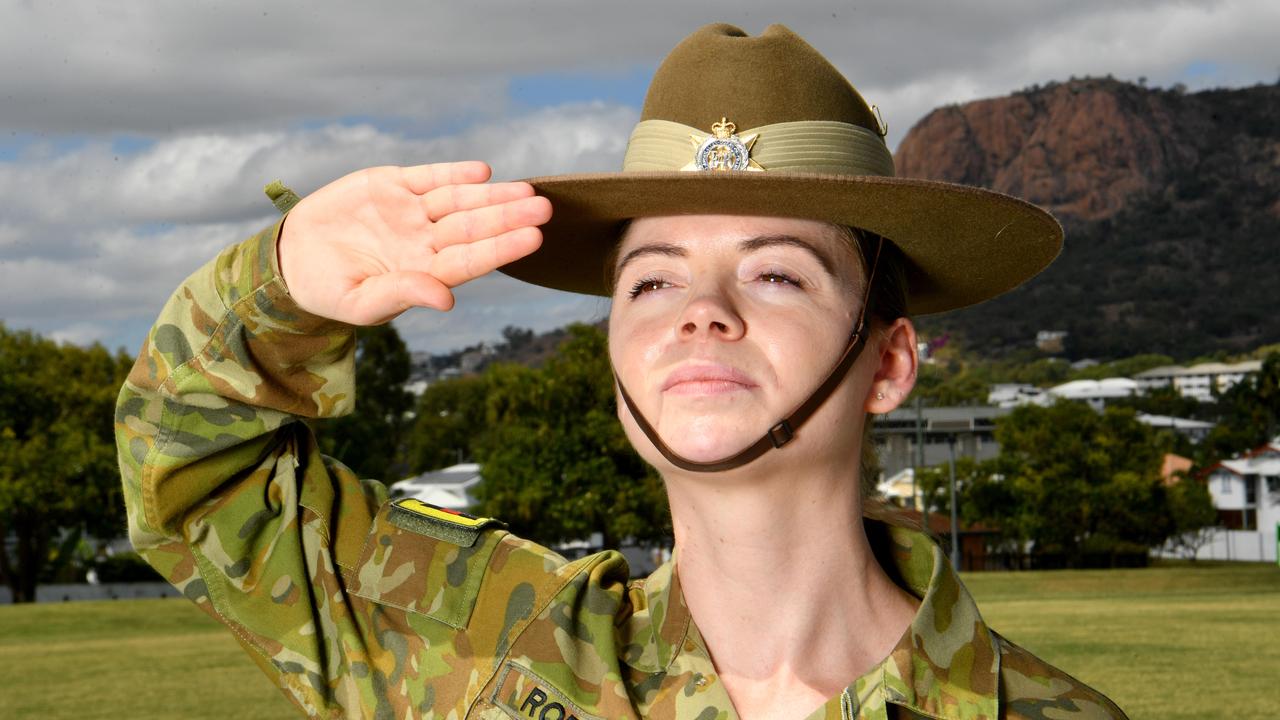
x=751, y=332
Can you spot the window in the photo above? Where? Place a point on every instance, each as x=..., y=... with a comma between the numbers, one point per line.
x=1250, y=490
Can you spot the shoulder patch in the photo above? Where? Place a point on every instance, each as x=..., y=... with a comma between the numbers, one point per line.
x=525, y=696
x=451, y=526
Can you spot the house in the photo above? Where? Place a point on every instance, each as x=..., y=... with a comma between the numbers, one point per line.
x=1246, y=492
x=1246, y=489
x=1008, y=395
x=900, y=489
x=1051, y=341
x=1198, y=381
x=1193, y=430
x=970, y=427
x=1097, y=393
x=974, y=539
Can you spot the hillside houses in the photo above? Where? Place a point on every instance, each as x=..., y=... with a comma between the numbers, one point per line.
x=1197, y=381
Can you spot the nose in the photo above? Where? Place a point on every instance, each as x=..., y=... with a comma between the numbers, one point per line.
x=710, y=314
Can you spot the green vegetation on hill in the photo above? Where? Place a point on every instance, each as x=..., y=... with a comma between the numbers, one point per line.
x=1185, y=268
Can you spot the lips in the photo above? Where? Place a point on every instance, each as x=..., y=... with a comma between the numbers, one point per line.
x=706, y=379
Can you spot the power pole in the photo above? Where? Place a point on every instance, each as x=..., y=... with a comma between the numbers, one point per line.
x=915, y=474
x=955, y=524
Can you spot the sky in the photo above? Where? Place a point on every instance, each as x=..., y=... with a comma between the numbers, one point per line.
x=135, y=138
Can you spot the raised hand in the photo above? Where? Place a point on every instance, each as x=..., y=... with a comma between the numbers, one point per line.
x=372, y=244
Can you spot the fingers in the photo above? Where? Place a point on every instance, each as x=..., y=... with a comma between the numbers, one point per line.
x=423, y=178
x=469, y=226
x=460, y=263
x=442, y=201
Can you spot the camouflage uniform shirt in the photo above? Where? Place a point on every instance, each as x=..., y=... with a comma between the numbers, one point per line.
x=360, y=608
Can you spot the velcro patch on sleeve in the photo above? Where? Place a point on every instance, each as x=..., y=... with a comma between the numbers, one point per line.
x=451, y=526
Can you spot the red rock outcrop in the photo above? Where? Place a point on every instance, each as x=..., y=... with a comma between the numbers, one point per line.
x=1080, y=148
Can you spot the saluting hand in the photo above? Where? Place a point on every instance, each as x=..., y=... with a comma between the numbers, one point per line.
x=372, y=244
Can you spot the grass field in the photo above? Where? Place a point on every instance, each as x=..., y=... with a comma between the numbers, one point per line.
x=1185, y=641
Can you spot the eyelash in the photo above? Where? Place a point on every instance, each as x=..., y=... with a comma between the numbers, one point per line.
x=639, y=287
x=769, y=276
x=780, y=276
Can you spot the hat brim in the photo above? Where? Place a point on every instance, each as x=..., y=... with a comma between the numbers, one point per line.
x=962, y=244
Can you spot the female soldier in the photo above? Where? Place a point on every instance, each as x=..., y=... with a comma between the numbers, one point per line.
x=752, y=330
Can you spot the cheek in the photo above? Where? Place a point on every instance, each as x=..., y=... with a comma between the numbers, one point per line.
x=635, y=345
x=802, y=348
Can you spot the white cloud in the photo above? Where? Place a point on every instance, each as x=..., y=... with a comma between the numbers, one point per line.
x=156, y=68
x=227, y=96
x=100, y=241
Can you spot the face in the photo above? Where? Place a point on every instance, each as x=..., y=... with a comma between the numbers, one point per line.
x=722, y=325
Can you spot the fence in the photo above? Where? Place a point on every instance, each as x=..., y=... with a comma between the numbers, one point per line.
x=105, y=591
x=1241, y=545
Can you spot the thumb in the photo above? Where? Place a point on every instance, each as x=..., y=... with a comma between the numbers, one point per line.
x=382, y=297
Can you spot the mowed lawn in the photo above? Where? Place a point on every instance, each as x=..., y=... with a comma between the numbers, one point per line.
x=1183, y=641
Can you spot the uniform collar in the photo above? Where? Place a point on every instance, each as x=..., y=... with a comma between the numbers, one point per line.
x=946, y=665
x=659, y=622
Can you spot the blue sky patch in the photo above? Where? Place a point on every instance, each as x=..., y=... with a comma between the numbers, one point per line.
x=626, y=87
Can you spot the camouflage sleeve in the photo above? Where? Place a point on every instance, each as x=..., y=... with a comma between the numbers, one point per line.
x=230, y=499
x=1033, y=689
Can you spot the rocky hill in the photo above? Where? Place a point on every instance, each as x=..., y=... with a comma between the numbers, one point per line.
x=1170, y=200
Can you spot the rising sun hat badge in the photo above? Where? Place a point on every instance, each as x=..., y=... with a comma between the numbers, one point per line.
x=723, y=150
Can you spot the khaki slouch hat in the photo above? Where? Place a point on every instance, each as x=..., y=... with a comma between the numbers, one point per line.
x=765, y=125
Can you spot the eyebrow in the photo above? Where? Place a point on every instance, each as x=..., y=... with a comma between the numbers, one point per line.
x=763, y=241
x=758, y=242
x=666, y=249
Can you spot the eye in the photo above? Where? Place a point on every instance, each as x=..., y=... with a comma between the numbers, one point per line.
x=648, y=284
x=775, y=277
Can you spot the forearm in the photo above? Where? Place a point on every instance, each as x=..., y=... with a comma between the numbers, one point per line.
x=230, y=362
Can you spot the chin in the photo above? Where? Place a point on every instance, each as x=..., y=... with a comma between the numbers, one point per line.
x=704, y=439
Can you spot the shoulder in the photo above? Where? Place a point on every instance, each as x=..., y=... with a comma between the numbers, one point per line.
x=469, y=574
x=1032, y=688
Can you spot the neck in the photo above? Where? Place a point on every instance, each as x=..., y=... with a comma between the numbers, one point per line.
x=781, y=580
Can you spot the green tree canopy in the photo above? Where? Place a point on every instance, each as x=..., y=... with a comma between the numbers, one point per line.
x=1082, y=481
x=557, y=465
x=449, y=419
x=57, y=452
x=1248, y=414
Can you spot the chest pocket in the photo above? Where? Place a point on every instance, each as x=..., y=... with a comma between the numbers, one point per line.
x=406, y=565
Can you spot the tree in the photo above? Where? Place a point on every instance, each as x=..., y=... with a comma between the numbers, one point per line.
x=369, y=439
x=58, y=473
x=516, y=338
x=1194, y=516
x=1082, y=481
x=448, y=423
x=557, y=465
x=1249, y=414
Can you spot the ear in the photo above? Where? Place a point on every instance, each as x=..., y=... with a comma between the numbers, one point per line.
x=896, y=373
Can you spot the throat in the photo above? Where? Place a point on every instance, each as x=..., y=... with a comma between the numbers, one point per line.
x=790, y=606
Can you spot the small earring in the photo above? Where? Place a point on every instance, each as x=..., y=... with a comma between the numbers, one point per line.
x=879, y=396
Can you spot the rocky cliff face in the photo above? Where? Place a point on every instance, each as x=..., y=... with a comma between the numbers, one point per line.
x=1169, y=199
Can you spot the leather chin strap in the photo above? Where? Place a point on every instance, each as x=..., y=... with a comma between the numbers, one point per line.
x=784, y=430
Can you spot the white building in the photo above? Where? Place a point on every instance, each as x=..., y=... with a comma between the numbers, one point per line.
x=901, y=489
x=1193, y=430
x=1246, y=492
x=1097, y=393
x=1198, y=381
x=1008, y=395
x=447, y=488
